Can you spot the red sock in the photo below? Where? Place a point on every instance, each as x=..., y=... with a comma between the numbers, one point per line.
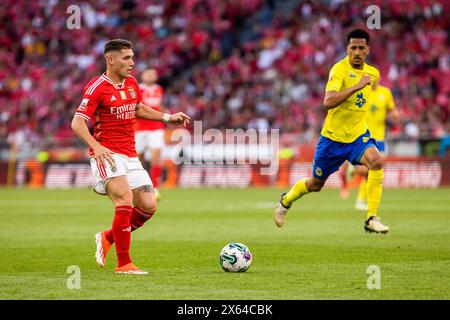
x=122, y=234
x=138, y=218
x=155, y=173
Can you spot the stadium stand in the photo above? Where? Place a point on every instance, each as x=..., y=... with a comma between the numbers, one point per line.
x=234, y=64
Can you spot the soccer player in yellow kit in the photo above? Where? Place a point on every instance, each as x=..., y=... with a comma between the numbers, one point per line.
x=345, y=135
x=380, y=106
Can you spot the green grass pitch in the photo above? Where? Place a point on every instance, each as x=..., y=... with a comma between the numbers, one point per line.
x=321, y=253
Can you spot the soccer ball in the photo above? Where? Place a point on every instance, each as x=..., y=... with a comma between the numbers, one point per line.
x=235, y=257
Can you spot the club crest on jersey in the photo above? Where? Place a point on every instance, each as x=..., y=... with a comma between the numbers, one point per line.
x=360, y=101
x=123, y=95
x=132, y=92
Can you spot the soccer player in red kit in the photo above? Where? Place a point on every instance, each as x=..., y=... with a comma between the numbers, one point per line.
x=149, y=133
x=112, y=101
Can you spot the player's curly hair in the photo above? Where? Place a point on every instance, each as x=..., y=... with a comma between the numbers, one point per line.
x=117, y=45
x=358, y=34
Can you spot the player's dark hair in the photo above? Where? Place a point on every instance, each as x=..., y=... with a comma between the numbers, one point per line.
x=358, y=34
x=117, y=45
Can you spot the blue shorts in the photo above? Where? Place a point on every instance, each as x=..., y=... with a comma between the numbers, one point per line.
x=381, y=146
x=330, y=155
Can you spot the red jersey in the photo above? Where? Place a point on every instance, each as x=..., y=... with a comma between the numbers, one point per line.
x=151, y=96
x=112, y=107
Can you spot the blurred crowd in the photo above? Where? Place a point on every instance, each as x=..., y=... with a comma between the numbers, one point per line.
x=232, y=64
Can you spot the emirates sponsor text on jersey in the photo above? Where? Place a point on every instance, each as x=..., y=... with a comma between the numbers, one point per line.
x=126, y=111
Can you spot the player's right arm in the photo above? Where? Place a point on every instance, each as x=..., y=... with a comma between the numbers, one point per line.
x=333, y=96
x=81, y=129
x=89, y=104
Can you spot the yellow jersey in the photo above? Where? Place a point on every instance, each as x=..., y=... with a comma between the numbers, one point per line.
x=381, y=101
x=346, y=122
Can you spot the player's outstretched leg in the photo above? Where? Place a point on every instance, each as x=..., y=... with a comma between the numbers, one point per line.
x=286, y=199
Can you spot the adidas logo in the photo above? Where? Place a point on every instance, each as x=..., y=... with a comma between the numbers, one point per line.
x=113, y=98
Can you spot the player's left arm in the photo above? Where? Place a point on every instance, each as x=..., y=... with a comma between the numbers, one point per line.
x=146, y=112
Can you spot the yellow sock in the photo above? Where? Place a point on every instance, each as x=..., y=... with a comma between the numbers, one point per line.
x=362, y=193
x=374, y=190
x=297, y=191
